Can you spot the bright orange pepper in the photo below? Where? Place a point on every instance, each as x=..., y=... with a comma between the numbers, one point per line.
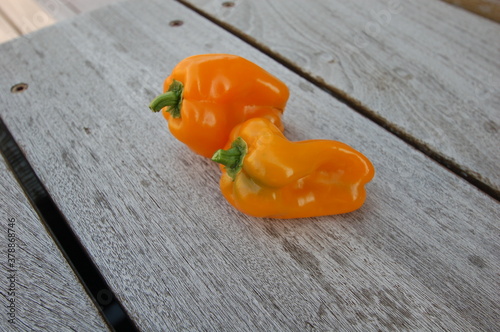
x=266, y=175
x=206, y=96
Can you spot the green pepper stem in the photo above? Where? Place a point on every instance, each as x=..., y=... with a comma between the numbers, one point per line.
x=232, y=158
x=171, y=99
x=228, y=158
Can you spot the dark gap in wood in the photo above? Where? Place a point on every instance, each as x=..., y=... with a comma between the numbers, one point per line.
x=355, y=105
x=58, y=227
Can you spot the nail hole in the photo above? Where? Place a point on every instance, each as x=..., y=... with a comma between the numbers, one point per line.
x=176, y=23
x=20, y=87
x=228, y=4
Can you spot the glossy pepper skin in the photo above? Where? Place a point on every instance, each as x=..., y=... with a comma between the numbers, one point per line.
x=207, y=95
x=266, y=175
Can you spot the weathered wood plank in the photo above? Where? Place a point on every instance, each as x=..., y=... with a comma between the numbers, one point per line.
x=7, y=31
x=26, y=15
x=58, y=9
x=428, y=70
x=63, y=9
x=44, y=292
x=487, y=8
x=82, y=6
x=422, y=254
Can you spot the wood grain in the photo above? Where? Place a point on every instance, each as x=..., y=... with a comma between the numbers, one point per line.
x=59, y=9
x=47, y=295
x=19, y=17
x=486, y=8
x=7, y=32
x=427, y=70
x=26, y=15
x=422, y=254
x=87, y=5
x=63, y=9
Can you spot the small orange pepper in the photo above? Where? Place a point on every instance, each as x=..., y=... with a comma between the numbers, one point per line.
x=266, y=175
x=207, y=95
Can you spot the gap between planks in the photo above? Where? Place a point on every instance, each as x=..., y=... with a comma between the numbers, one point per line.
x=489, y=9
x=355, y=105
x=59, y=228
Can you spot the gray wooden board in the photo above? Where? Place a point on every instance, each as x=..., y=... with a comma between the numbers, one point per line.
x=423, y=252
x=63, y=9
x=38, y=289
x=431, y=70
x=58, y=9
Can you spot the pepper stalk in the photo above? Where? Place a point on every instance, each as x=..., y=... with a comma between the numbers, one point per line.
x=171, y=99
x=232, y=158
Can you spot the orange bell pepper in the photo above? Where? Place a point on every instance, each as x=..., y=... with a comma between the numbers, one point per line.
x=207, y=95
x=266, y=175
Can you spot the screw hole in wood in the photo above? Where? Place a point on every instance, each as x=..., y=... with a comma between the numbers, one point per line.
x=176, y=23
x=20, y=87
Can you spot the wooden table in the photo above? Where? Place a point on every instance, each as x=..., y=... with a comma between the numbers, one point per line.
x=120, y=225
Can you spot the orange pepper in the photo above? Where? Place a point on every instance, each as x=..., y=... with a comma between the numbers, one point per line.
x=266, y=175
x=206, y=96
